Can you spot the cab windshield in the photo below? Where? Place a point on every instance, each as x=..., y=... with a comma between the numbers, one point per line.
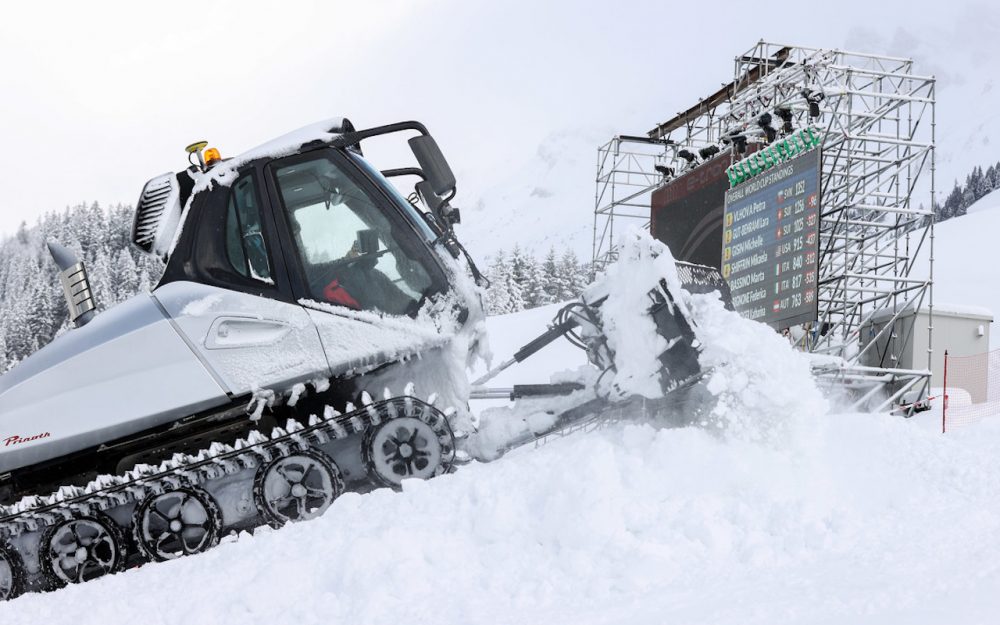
x=412, y=214
x=354, y=254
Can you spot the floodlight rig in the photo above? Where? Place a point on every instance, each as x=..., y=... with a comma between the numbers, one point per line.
x=813, y=97
x=667, y=172
x=689, y=158
x=785, y=115
x=736, y=139
x=708, y=152
x=764, y=121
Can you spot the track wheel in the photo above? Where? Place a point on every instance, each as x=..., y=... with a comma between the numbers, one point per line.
x=82, y=549
x=11, y=573
x=417, y=443
x=297, y=487
x=176, y=523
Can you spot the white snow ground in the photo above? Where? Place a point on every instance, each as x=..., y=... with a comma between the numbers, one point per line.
x=795, y=516
x=876, y=521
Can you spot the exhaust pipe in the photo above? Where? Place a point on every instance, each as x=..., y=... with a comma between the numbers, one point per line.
x=76, y=286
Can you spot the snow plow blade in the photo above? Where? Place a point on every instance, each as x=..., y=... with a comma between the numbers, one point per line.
x=679, y=360
x=677, y=393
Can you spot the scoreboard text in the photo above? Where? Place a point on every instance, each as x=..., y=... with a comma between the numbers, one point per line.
x=770, y=243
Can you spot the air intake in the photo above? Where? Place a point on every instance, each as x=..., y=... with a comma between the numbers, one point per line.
x=157, y=215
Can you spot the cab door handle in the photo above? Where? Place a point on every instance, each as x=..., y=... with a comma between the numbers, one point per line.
x=232, y=332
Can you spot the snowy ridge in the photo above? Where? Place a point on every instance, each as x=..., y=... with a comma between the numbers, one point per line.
x=544, y=202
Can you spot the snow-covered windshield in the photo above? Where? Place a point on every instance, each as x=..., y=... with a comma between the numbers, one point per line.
x=412, y=214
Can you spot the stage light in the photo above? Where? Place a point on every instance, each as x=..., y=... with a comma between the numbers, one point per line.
x=708, y=152
x=736, y=139
x=667, y=172
x=687, y=156
x=786, y=118
x=813, y=97
x=739, y=143
x=764, y=121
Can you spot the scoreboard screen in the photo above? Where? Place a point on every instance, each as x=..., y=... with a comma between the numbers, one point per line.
x=770, y=243
x=687, y=212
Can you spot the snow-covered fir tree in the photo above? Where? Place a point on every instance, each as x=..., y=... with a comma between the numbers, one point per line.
x=535, y=291
x=520, y=281
x=32, y=308
x=497, y=300
x=978, y=183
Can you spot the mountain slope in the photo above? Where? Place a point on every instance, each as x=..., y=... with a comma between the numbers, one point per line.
x=964, y=271
x=548, y=201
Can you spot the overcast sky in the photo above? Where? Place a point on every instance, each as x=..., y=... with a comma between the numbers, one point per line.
x=98, y=97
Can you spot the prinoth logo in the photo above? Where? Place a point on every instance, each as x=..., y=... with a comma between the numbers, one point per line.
x=17, y=440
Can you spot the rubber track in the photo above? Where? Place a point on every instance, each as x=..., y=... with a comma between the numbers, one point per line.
x=35, y=513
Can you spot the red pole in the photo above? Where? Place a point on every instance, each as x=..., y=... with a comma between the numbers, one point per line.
x=944, y=406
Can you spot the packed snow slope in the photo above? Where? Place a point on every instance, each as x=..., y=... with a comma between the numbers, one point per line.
x=772, y=512
x=964, y=272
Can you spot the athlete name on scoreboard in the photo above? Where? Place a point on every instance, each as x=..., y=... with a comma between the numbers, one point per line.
x=770, y=243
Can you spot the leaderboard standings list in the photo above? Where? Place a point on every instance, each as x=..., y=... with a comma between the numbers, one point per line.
x=770, y=242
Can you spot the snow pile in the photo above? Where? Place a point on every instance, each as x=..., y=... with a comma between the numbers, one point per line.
x=764, y=388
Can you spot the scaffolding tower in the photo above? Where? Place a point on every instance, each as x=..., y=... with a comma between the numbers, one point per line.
x=626, y=178
x=876, y=221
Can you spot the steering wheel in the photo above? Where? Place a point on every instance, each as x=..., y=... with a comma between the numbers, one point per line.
x=348, y=261
x=327, y=279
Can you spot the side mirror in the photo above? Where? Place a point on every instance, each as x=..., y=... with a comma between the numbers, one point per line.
x=434, y=164
x=430, y=198
x=447, y=214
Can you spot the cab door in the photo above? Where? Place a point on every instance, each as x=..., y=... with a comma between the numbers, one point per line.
x=228, y=295
x=362, y=269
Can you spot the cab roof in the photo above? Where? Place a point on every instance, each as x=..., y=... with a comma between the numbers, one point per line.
x=225, y=172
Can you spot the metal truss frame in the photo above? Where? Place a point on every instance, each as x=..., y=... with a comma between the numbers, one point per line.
x=878, y=121
x=626, y=178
